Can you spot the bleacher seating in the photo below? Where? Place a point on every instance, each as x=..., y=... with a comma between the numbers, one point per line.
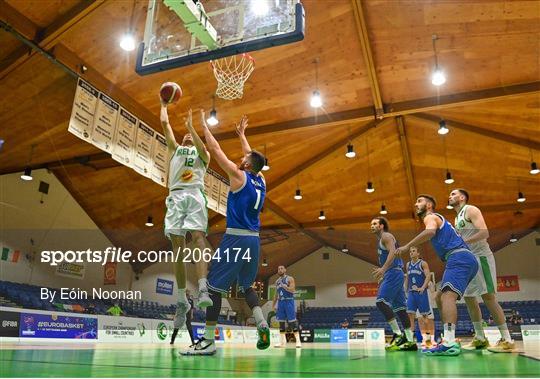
x=332, y=317
x=29, y=296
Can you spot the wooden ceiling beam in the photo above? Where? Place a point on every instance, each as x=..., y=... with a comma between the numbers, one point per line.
x=321, y=155
x=459, y=99
x=45, y=38
x=405, y=153
x=363, y=35
x=402, y=216
x=481, y=131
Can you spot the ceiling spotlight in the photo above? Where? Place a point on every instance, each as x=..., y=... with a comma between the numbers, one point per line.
x=266, y=167
x=449, y=179
x=27, y=174
x=344, y=249
x=534, y=169
x=212, y=120
x=127, y=42
x=448, y=206
x=438, y=78
x=521, y=198
x=264, y=263
x=316, y=100
x=383, y=211
x=350, y=151
x=149, y=221
x=298, y=195
x=443, y=129
x=322, y=216
x=369, y=187
x=513, y=238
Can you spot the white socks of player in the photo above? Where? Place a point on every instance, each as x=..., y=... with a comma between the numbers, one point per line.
x=409, y=335
x=259, y=318
x=449, y=336
x=182, y=295
x=479, y=330
x=395, y=327
x=505, y=333
x=202, y=285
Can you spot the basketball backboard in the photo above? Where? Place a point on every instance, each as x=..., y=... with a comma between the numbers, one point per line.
x=183, y=32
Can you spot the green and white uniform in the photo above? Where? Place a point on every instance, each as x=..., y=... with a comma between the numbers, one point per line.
x=485, y=280
x=186, y=203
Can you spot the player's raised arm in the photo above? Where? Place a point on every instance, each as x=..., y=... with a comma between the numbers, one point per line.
x=236, y=175
x=197, y=141
x=241, y=131
x=479, y=224
x=167, y=129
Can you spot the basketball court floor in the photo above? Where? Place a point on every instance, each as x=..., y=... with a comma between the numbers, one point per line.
x=320, y=360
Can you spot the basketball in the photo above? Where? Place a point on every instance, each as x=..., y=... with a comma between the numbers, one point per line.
x=170, y=92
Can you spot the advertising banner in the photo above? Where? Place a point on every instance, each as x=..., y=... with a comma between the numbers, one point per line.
x=164, y=286
x=10, y=322
x=368, y=289
x=321, y=335
x=357, y=336
x=124, y=329
x=301, y=292
x=306, y=335
x=339, y=336
x=508, y=283
x=36, y=325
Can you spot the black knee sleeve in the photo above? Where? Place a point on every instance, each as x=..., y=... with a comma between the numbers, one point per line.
x=404, y=317
x=294, y=326
x=282, y=327
x=385, y=310
x=252, y=299
x=212, y=313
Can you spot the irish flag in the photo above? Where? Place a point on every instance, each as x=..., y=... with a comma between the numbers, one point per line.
x=10, y=255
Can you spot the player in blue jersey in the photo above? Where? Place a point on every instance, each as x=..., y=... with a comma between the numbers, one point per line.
x=285, y=310
x=237, y=258
x=391, y=295
x=417, y=276
x=461, y=267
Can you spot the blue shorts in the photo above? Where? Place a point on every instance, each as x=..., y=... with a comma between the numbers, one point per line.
x=286, y=311
x=417, y=301
x=391, y=290
x=461, y=267
x=233, y=263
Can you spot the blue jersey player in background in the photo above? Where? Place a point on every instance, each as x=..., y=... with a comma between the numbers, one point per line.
x=391, y=294
x=417, y=275
x=285, y=310
x=237, y=258
x=461, y=267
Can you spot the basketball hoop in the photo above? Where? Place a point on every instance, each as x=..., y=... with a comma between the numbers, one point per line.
x=231, y=73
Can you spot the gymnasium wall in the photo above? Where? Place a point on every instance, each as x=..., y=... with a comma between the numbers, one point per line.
x=330, y=276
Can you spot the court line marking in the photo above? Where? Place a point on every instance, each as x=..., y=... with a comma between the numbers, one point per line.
x=347, y=374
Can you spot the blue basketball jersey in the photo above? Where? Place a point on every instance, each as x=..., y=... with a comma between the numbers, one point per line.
x=446, y=239
x=383, y=256
x=415, y=275
x=282, y=293
x=245, y=204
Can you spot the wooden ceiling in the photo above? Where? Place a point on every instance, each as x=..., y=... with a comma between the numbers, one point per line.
x=375, y=58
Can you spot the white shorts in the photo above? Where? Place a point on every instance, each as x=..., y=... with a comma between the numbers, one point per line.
x=485, y=280
x=186, y=211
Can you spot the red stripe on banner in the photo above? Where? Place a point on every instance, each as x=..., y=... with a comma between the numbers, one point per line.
x=15, y=256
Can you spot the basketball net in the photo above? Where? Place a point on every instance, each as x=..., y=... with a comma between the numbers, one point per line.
x=231, y=73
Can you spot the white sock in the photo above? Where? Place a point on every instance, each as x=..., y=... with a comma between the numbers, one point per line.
x=395, y=327
x=479, y=330
x=202, y=285
x=209, y=332
x=505, y=333
x=408, y=334
x=449, y=335
x=297, y=337
x=259, y=318
x=425, y=337
x=182, y=295
x=283, y=339
x=433, y=339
